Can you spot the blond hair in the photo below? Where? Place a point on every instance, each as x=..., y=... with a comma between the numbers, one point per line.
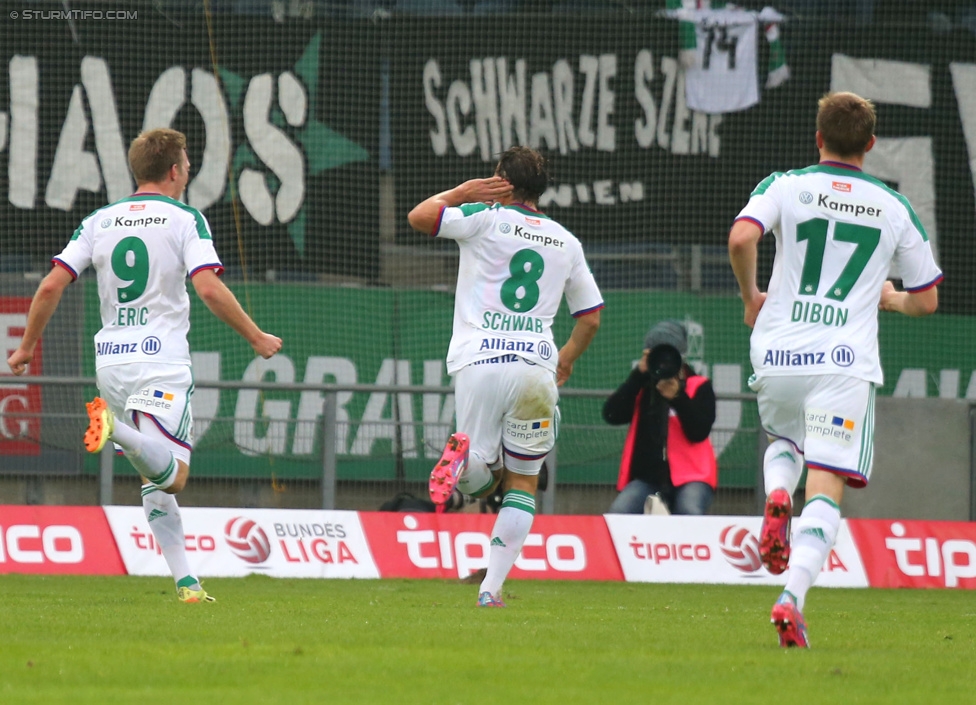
x=152, y=153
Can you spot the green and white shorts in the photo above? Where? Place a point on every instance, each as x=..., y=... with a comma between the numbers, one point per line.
x=506, y=405
x=154, y=399
x=828, y=418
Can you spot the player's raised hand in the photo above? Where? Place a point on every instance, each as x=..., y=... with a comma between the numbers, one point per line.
x=489, y=190
x=266, y=345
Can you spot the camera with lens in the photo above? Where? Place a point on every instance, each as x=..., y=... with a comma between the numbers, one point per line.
x=663, y=362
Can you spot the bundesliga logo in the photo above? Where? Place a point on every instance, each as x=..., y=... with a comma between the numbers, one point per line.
x=740, y=548
x=247, y=540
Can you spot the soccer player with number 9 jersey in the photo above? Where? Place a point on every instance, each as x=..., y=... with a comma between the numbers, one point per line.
x=143, y=248
x=814, y=345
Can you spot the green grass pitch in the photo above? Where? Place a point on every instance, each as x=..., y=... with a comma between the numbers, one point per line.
x=128, y=640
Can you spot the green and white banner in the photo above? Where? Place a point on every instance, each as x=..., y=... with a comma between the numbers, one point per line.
x=386, y=337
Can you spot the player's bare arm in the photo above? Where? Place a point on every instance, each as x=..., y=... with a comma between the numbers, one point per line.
x=225, y=306
x=424, y=215
x=579, y=340
x=915, y=304
x=45, y=302
x=743, y=253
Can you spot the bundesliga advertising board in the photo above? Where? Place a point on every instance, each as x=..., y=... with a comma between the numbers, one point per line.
x=284, y=543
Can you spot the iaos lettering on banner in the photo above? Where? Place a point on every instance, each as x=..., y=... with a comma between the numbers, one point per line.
x=291, y=149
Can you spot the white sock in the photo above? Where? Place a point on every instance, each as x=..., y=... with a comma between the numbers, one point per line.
x=125, y=435
x=814, y=534
x=476, y=477
x=151, y=458
x=507, y=536
x=163, y=515
x=782, y=467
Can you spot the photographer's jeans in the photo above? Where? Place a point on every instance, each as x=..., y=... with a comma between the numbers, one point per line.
x=691, y=498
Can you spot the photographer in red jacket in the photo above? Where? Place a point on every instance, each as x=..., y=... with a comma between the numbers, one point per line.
x=670, y=410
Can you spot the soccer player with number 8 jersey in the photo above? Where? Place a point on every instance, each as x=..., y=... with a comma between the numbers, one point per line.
x=814, y=345
x=516, y=264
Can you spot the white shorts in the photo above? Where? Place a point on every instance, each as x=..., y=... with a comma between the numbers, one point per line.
x=160, y=393
x=506, y=405
x=828, y=418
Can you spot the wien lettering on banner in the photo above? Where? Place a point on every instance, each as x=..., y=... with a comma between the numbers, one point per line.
x=606, y=98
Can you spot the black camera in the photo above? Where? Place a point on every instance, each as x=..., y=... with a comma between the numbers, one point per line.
x=663, y=362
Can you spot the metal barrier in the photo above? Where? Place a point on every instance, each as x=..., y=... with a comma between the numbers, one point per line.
x=328, y=425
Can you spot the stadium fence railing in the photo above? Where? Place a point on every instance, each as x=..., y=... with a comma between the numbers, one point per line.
x=322, y=481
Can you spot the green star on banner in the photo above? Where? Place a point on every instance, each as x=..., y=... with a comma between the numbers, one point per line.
x=324, y=148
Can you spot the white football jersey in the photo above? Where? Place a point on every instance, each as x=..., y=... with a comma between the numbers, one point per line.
x=515, y=265
x=838, y=231
x=725, y=78
x=143, y=248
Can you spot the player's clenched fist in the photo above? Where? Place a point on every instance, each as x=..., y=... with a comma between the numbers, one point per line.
x=266, y=345
x=18, y=361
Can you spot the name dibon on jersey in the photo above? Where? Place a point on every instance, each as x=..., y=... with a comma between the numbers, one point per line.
x=824, y=314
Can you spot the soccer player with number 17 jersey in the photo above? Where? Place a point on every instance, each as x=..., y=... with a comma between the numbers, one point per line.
x=516, y=264
x=142, y=248
x=814, y=344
